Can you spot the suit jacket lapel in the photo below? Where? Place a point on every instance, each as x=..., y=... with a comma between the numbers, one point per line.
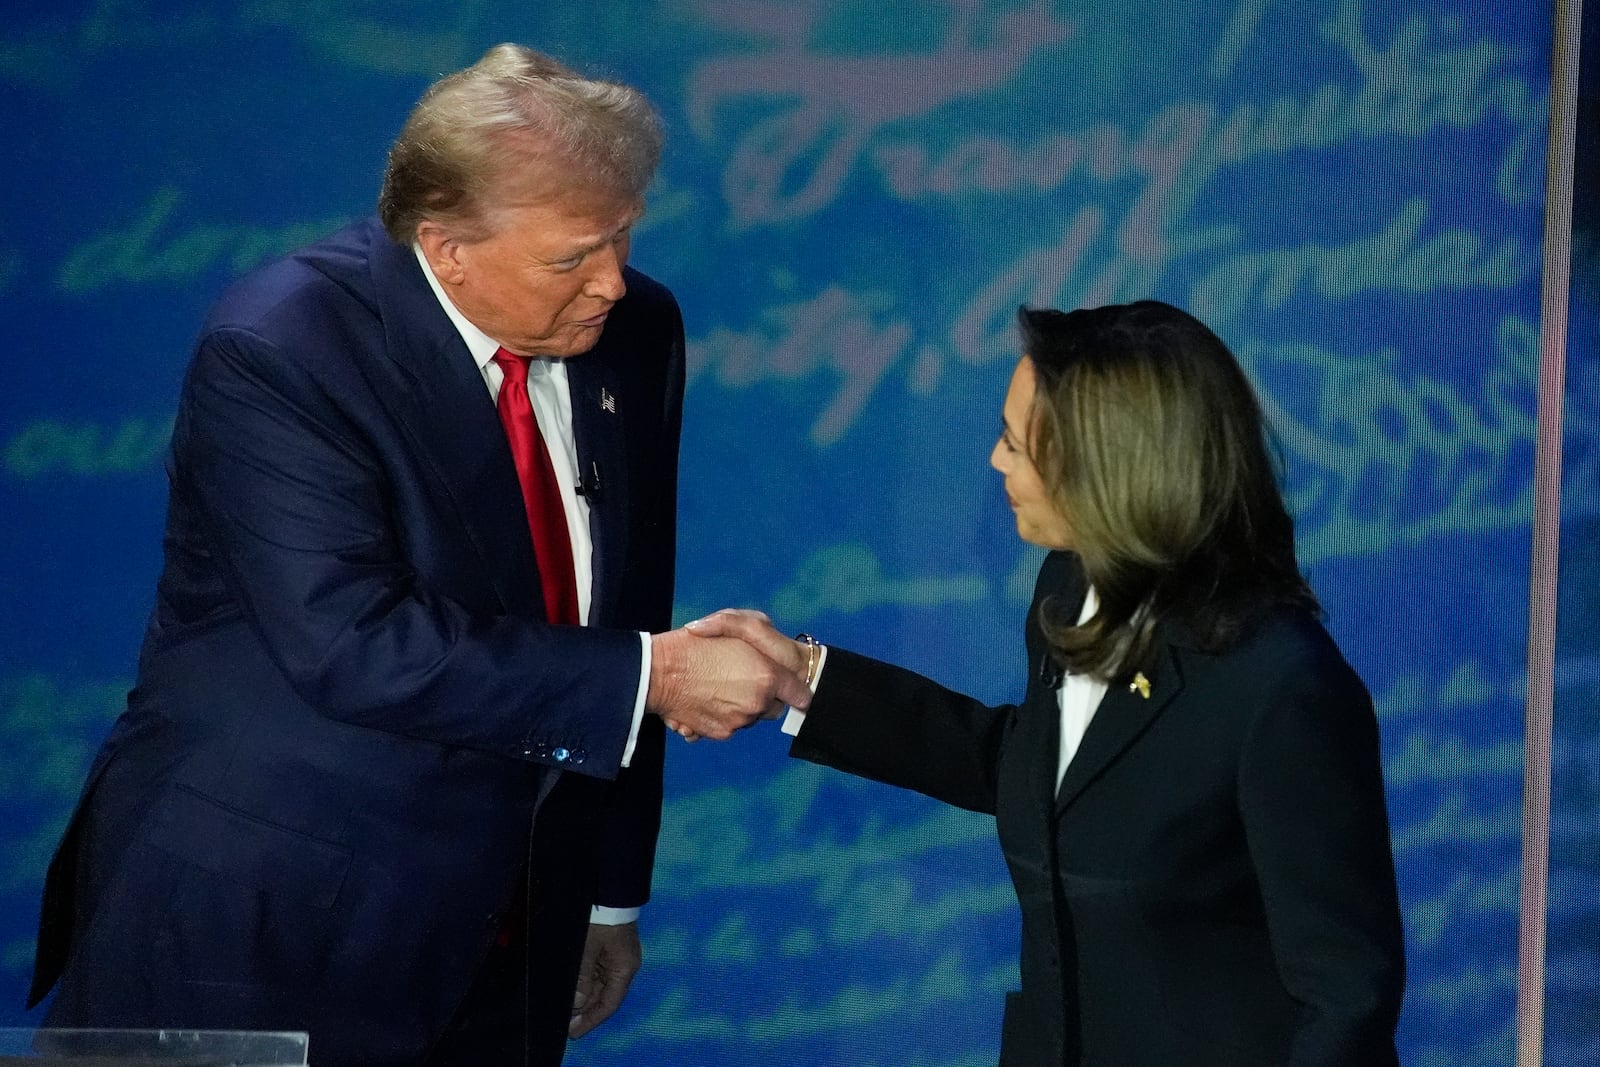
x=447, y=411
x=1124, y=714
x=1041, y=714
x=599, y=416
x=1060, y=579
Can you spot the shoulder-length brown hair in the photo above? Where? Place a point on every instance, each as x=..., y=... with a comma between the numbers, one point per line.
x=1151, y=442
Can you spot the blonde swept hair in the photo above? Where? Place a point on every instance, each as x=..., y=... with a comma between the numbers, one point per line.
x=504, y=129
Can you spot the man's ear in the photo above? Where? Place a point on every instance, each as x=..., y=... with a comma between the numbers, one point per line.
x=442, y=251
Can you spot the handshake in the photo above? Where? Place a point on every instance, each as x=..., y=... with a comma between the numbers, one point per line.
x=722, y=673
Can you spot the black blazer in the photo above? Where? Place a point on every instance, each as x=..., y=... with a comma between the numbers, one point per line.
x=349, y=704
x=1213, y=882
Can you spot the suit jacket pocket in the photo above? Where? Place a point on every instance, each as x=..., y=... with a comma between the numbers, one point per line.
x=225, y=841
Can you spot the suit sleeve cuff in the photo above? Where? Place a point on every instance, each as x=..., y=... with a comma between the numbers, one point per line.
x=794, y=718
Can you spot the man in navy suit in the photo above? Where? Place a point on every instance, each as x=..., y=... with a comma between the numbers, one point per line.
x=391, y=771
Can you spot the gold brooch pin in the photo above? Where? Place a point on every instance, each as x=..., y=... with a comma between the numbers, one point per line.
x=1140, y=685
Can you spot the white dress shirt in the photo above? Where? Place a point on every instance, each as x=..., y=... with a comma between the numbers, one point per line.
x=551, y=398
x=1078, y=698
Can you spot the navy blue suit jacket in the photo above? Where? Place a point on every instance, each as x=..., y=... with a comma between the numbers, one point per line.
x=349, y=705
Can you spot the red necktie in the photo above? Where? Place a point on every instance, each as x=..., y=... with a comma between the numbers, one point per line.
x=541, y=496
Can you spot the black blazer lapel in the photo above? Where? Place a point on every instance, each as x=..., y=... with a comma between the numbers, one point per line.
x=599, y=419
x=1039, y=735
x=1039, y=729
x=447, y=411
x=1124, y=714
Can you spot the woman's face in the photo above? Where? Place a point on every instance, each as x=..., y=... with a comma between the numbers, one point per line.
x=1038, y=521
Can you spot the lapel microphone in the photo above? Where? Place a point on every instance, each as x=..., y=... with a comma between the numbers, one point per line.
x=588, y=485
x=1049, y=672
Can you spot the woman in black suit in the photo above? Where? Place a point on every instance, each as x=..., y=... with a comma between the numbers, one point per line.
x=1189, y=796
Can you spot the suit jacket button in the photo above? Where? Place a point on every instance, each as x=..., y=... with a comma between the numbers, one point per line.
x=562, y=755
x=578, y=756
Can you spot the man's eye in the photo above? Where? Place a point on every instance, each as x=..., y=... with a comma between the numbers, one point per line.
x=566, y=264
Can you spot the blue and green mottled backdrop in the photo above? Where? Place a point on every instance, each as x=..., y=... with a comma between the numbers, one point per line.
x=854, y=198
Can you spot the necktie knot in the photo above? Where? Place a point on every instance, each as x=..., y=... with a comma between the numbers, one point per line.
x=513, y=366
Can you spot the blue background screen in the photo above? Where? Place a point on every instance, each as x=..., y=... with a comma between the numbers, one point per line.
x=854, y=199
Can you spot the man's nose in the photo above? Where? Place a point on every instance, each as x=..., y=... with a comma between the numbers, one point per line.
x=605, y=278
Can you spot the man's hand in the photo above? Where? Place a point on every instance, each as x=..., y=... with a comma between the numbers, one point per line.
x=716, y=686
x=611, y=957
x=757, y=631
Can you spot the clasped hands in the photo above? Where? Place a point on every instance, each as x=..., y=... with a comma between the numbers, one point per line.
x=718, y=675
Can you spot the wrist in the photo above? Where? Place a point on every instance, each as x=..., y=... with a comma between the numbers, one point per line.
x=665, y=671
x=813, y=655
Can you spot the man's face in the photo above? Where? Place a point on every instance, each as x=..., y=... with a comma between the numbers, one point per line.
x=545, y=279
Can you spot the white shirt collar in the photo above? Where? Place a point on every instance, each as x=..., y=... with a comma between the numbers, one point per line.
x=481, y=345
x=1091, y=604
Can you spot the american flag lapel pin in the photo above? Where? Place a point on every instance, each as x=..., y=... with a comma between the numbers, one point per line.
x=607, y=401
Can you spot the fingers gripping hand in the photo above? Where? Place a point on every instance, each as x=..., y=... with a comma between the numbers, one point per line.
x=681, y=730
x=757, y=631
x=716, y=686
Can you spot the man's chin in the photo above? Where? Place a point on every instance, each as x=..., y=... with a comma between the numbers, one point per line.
x=572, y=341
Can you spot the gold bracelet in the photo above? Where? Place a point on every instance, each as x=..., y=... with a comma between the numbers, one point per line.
x=813, y=656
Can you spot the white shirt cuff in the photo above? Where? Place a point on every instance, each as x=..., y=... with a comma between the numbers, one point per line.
x=600, y=915
x=794, y=718
x=638, y=707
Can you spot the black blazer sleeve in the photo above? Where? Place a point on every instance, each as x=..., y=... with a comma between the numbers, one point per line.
x=879, y=721
x=1310, y=794
x=883, y=722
